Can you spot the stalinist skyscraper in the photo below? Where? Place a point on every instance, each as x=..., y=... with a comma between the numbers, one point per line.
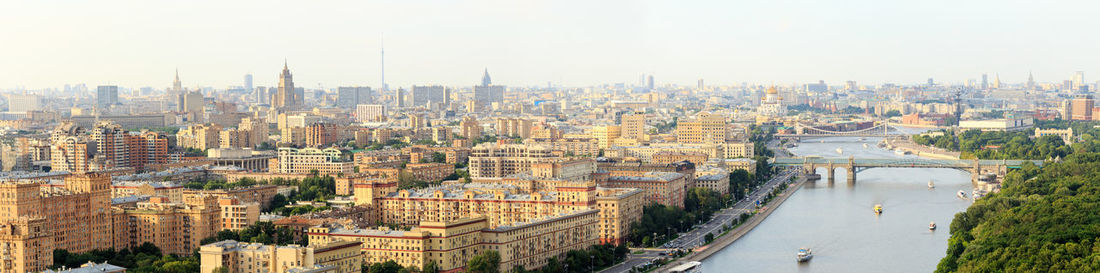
x=286, y=97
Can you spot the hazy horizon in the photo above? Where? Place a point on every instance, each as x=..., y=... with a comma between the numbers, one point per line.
x=571, y=43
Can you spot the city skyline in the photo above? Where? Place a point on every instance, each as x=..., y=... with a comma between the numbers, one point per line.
x=338, y=44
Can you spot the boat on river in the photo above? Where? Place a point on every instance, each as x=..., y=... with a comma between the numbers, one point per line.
x=839, y=150
x=932, y=226
x=878, y=208
x=688, y=267
x=961, y=194
x=866, y=146
x=804, y=255
x=931, y=185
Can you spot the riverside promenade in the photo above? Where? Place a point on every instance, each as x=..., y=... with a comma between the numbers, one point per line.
x=905, y=144
x=719, y=243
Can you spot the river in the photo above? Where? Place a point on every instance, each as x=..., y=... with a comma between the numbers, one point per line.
x=837, y=221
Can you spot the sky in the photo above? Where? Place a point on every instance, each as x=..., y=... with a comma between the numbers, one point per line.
x=46, y=44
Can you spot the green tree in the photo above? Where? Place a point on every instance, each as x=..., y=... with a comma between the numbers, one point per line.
x=486, y=262
x=431, y=267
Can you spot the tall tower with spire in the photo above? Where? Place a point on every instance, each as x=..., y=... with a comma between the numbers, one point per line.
x=485, y=80
x=285, y=96
x=1030, y=81
x=486, y=93
x=177, y=86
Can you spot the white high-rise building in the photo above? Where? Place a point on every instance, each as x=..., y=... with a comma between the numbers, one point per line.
x=370, y=112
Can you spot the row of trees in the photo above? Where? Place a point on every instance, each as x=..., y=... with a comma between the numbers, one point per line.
x=659, y=222
x=142, y=259
x=998, y=145
x=260, y=232
x=1042, y=220
x=591, y=259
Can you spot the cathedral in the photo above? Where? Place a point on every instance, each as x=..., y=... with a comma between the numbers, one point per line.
x=771, y=107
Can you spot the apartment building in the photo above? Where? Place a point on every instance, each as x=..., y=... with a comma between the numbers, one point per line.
x=666, y=188
x=449, y=244
x=327, y=161
x=241, y=257
x=586, y=147
x=173, y=191
x=237, y=215
x=174, y=227
x=704, y=128
x=504, y=204
x=489, y=160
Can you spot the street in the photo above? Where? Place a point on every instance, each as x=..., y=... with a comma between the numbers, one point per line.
x=696, y=236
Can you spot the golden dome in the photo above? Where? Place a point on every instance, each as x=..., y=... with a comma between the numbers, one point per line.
x=771, y=90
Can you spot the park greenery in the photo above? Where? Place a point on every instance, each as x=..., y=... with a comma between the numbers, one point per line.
x=660, y=222
x=1018, y=145
x=141, y=259
x=592, y=259
x=997, y=145
x=261, y=232
x=313, y=188
x=1042, y=220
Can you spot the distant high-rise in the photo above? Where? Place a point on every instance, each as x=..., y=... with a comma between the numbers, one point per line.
x=1030, y=81
x=348, y=97
x=633, y=125
x=851, y=86
x=1081, y=109
x=248, y=82
x=192, y=105
x=177, y=86
x=486, y=80
x=819, y=87
x=106, y=95
x=401, y=97
x=985, y=81
x=649, y=83
x=1078, y=80
x=370, y=112
x=700, y=85
x=24, y=102
x=422, y=95
x=286, y=96
x=997, y=81
x=487, y=93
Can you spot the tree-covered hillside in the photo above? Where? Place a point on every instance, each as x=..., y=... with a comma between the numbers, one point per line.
x=1043, y=220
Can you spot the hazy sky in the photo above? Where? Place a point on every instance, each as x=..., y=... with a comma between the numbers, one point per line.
x=572, y=43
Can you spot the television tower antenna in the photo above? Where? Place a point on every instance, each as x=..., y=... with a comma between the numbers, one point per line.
x=383, y=59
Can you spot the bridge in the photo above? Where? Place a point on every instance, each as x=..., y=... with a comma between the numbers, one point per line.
x=854, y=165
x=882, y=129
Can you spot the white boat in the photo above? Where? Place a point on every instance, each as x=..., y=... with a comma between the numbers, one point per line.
x=932, y=226
x=961, y=194
x=865, y=145
x=839, y=150
x=804, y=255
x=931, y=185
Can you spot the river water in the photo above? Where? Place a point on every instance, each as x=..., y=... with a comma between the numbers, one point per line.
x=838, y=224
